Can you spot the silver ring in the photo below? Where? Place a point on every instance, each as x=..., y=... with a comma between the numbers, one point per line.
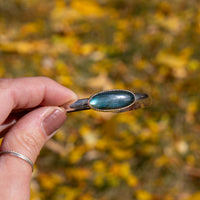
x=18, y=155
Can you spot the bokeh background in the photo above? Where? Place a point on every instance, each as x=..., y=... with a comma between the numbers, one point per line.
x=89, y=46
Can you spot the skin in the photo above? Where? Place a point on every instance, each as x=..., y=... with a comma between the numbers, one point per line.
x=29, y=134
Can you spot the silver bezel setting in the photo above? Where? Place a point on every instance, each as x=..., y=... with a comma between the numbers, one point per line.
x=111, y=110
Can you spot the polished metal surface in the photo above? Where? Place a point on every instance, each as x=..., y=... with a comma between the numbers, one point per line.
x=110, y=101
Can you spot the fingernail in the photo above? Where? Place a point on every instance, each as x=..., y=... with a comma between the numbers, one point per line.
x=53, y=121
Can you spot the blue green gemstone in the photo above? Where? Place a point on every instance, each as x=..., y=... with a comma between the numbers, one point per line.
x=111, y=100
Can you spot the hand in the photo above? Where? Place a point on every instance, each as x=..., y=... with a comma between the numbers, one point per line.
x=31, y=131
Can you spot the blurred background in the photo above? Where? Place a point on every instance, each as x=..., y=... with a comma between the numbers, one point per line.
x=89, y=46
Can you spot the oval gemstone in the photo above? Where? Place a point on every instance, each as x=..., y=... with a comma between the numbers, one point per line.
x=111, y=100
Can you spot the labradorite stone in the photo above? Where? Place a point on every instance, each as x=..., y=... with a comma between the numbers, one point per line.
x=110, y=100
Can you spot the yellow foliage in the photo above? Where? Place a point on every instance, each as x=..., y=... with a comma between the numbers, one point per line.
x=99, y=166
x=127, y=118
x=88, y=8
x=60, y=135
x=122, y=170
x=171, y=23
x=153, y=126
x=64, y=80
x=137, y=83
x=193, y=64
x=195, y=196
x=24, y=47
x=48, y=181
x=176, y=62
x=192, y=107
x=143, y=195
x=164, y=7
x=102, y=144
x=132, y=180
x=161, y=161
x=31, y=28
x=76, y=155
x=100, y=82
x=85, y=130
x=170, y=60
x=60, y=4
x=191, y=160
x=121, y=154
x=122, y=24
x=87, y=49
x=63, y=75
x=2, y=71
x=67, y=193
x=78, y=173
x=145, y=135
x=90, y=137
x=112, y=180
x=99, y=180
x=86, y=196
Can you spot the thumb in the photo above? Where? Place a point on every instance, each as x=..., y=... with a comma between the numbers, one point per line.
x=26, y=137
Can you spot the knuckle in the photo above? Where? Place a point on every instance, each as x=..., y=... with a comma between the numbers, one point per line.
x=30, y=142
x=5, y=83
x=45, y=79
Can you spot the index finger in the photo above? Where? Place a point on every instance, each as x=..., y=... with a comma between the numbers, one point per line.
x=30, y=92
